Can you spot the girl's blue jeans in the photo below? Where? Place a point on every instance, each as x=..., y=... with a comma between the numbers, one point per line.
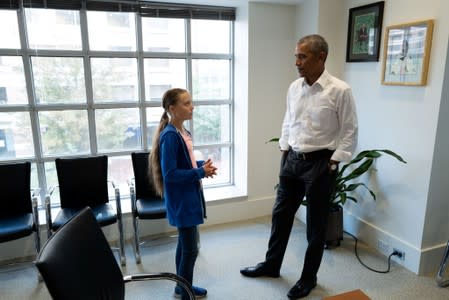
x=186, y=253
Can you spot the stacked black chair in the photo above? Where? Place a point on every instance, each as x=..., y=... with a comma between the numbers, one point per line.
x=77, y=263
x=18, y=207
x=145, y=203
x=84, y=182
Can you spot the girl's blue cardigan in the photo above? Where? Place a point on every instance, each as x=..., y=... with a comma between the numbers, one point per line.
x=183, y=191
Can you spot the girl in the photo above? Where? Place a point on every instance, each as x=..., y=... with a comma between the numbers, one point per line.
x=177, y=177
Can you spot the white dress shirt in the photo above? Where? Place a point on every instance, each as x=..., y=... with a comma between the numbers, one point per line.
x=320, y=116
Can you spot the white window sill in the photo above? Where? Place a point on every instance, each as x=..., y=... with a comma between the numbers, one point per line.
x=216, y=195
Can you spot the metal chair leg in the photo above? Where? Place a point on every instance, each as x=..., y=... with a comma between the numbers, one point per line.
x=120, y=228
x=132, y=193
x=440, y=275
x=136, y=241
x=37, y=237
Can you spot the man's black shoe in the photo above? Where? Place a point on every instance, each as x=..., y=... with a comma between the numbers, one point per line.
x=301, y=289
x=259, y=270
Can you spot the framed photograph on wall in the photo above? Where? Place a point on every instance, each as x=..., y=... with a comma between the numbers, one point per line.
x=406, y=53
x=364, y=30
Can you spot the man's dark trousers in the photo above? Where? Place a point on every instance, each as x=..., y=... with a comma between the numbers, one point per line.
x=301, y=176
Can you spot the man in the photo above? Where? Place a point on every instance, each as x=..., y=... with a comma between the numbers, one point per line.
x=319, y=130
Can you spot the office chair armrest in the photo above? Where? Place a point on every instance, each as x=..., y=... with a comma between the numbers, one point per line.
x=35, y=192
x=112, y=183
x=117, y=199
x=52, y=189
x=48, y=213
x=162, y=276
x=132, y=195
x=131, y=182
x=34, y=204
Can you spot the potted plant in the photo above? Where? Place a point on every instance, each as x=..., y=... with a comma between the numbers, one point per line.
x=344, y=186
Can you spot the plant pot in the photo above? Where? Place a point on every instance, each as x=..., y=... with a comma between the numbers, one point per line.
x=334, y=232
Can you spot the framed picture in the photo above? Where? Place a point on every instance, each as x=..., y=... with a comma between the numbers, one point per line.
x=406, y=53
x=364, y=30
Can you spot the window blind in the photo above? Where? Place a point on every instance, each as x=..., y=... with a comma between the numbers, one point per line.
x=144, y=8
x=9, y=4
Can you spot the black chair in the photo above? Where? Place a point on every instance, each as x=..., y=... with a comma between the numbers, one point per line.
x=84, y=182
x=145, y=203
x=77, y=263
x=18, y=207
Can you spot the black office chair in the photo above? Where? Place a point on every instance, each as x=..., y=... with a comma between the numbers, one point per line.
x=77, y=263
x=145, y=203
x=18, y=207
x=84, y=182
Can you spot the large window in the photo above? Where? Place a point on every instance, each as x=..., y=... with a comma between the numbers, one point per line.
x=77, y=82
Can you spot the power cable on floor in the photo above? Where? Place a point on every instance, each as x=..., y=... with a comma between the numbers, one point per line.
x=394, y=253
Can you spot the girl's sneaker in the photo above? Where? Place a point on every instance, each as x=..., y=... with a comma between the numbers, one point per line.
x=199, y=292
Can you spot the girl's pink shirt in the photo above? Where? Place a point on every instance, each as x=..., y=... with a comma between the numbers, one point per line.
x=189, y=143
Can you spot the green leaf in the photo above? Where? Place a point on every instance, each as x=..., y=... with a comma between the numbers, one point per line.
x=352, y=198
x=353, y=186
x=360, y=170
x=272, y=140
x=397, y=156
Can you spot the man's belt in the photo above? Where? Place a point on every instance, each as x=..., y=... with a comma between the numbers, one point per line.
x=314, y=155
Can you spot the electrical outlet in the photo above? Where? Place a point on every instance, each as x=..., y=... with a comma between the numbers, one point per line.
x=400, y=255
x=382, y=246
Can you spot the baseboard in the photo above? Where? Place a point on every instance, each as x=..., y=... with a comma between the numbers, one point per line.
x=431, y=259
x=419, y=261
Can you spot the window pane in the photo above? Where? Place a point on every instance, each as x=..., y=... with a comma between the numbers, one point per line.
x=9, y=35
x=113, y=31
x=211, y=124
x=163, y=74
x=163, y=35
x=154, y=115
x=16, y=139
x=221, y=159
x=12, y=81
x=120, y=171
x=53, y=29
x=114, y=79
x=34, y=182
x=64, y=132
x=211, y=79
x=59, y=79
x=210, y=36
x=118, y=129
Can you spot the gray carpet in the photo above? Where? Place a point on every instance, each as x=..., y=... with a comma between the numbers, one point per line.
x=227, y=248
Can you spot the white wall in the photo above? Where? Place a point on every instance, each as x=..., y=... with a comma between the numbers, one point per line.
x=404, y=119
x=333, y=28
x=272, y=68
x=307, y=17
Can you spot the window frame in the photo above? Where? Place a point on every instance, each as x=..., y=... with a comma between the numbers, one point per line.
x=33, y=108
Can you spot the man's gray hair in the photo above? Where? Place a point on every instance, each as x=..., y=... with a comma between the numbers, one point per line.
x=317, y=43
